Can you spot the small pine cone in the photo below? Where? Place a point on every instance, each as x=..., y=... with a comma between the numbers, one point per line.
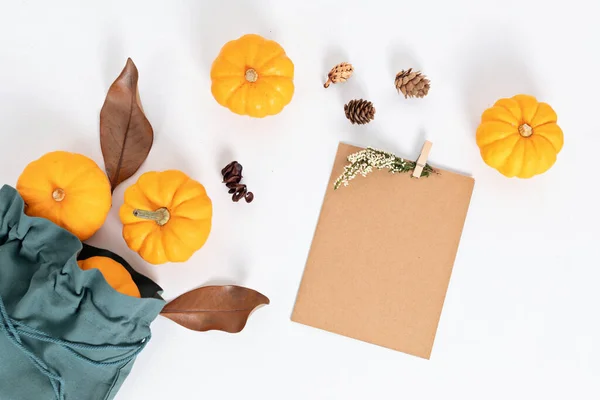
x=359, y=111
x=340, y=73
x=412, y=84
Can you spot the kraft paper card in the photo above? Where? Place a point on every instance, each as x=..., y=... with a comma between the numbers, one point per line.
x=382, y=255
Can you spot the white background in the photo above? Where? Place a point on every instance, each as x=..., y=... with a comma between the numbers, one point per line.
x=521, y=317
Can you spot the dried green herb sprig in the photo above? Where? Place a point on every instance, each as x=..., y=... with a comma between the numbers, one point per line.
x=364, y=161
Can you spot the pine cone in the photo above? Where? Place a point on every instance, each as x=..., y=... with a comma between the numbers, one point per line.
x=340, y=73
x=359, y=111
x=412, y=84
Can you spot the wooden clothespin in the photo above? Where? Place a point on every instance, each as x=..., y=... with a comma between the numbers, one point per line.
x=422, y=160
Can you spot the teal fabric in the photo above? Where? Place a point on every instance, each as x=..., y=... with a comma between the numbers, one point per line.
x=64, y=332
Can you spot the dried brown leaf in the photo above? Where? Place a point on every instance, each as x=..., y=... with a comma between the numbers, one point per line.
x=223, y=308
x=126, y=135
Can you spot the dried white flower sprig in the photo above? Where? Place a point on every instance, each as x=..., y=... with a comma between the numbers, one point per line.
x=364, y=161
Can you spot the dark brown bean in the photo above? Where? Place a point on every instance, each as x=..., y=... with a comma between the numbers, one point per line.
x=239, y=193
x=237, y=168
x=232, y=179
x=228, y=168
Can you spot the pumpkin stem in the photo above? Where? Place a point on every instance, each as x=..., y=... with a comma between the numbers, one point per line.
x=160, y=216
x=251, y=75
x=58, y=194
x=525, y=130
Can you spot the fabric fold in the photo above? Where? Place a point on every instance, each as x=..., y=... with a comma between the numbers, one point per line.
x=74, y=314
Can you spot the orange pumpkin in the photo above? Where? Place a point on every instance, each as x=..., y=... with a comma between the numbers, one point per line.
x=519, y=136
x=114, y=273
x=253, y=76
x=69, y=189
x=166, y=216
